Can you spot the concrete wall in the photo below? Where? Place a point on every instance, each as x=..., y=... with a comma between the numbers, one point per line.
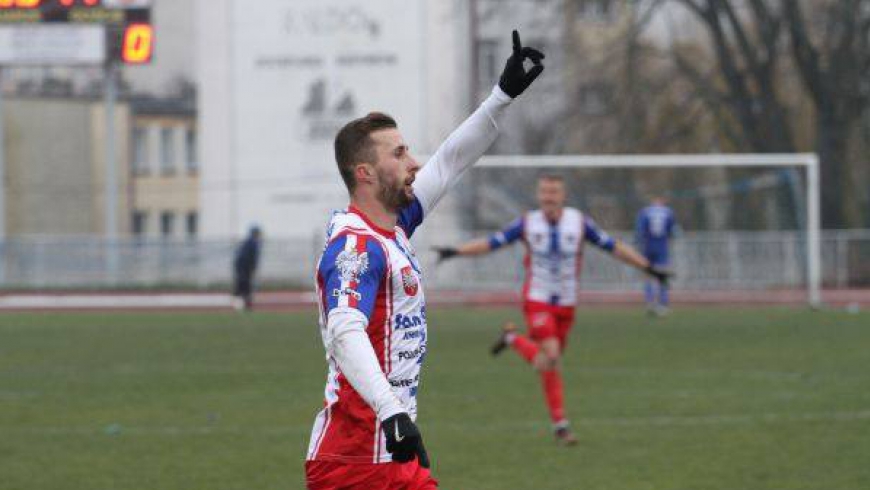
x=55, y=166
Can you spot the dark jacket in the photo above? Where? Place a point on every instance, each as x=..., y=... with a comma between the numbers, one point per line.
x=247, y=256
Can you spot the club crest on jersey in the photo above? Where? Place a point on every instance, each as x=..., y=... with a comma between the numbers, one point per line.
x=351, y=264
x=409, y=281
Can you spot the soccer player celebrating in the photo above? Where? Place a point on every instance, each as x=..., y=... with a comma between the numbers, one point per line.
x=654, y=229
x=553, y=236
x=372, y=308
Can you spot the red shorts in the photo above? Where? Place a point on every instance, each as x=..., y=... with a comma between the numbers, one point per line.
x=331, y=475
x=546, y=321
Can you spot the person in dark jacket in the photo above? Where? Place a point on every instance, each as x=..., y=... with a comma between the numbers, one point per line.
x=245, y=266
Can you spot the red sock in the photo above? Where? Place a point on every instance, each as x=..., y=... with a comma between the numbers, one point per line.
x=552, y=383
x=524, y=347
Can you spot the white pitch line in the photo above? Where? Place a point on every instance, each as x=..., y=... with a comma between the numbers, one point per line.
x=18, y=395
x=693, y=373
x=682, y=373
x=480, y=426
x=729, y=419
x=115, y=301
x=154, y=430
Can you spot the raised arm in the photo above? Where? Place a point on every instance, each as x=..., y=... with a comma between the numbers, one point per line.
x=460, y=150
x=473, y=137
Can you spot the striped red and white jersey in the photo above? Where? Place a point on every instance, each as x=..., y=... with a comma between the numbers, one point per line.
x=374, y=271
x=554, y=252
x=368, y=270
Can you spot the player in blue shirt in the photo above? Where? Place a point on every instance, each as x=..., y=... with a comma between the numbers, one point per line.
x=655, y=227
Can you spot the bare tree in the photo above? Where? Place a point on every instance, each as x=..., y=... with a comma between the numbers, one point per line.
x=833, y=58
x=622, y=97
x=755, y=43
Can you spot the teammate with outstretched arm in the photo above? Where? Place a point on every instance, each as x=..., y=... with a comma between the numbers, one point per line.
x=553, y=236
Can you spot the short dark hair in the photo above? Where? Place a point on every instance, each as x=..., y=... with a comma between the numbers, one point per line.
x=353, y=144
x=552, y=178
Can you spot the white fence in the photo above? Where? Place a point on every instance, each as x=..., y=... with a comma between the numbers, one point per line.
x=703, y=261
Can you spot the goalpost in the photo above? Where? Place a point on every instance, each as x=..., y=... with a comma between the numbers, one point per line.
x=807, y=161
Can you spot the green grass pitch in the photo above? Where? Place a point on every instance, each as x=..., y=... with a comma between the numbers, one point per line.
x=718, y=399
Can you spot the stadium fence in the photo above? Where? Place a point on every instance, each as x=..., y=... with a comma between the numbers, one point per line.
x=703, y=261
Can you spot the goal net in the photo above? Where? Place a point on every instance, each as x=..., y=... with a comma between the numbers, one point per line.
x=749, y=223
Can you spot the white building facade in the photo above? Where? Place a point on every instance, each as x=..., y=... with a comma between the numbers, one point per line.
x=278, y=78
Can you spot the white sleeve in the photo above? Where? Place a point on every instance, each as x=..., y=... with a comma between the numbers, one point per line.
x=460, y=150
x=349, y=346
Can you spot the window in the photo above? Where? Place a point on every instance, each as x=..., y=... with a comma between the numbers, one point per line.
x=167, y=151
x=167, y=220
x=488, y=63
x=192, y=224
x=140, y=223
x=190, y=151
x=140, y=151
x=600, y=10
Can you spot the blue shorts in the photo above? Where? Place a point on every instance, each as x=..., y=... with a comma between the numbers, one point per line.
x=657, y=257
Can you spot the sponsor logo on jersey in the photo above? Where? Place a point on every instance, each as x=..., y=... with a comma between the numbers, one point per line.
x=414, y=334
x=351, y=264
x=409, y=281
x=403, y=322
x=407, y=355
x=337, y=293
x=404, y=383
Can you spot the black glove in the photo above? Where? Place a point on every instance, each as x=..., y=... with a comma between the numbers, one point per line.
x=445, y=253
x=659, y=274
x=514, y=79
x=404, y=440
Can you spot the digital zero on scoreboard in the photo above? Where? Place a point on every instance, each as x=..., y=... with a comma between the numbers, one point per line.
x=129, y=34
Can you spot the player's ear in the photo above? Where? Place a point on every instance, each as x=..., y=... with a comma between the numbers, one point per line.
x=364, y=172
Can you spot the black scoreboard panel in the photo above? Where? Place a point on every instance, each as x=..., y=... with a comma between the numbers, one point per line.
x=74, y=11
x=129, y=34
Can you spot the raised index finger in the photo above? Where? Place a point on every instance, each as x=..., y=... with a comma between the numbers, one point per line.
x=518, y=46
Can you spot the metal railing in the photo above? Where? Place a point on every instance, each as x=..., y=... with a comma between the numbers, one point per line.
x=721, y=260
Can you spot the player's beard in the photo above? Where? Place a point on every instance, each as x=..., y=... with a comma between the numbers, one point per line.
x=392, y=193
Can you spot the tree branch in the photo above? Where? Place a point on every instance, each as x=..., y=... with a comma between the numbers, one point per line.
x=746, y=47
x=806, y=56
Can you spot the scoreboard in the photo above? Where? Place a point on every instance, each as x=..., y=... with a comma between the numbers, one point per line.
x=128, y=30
